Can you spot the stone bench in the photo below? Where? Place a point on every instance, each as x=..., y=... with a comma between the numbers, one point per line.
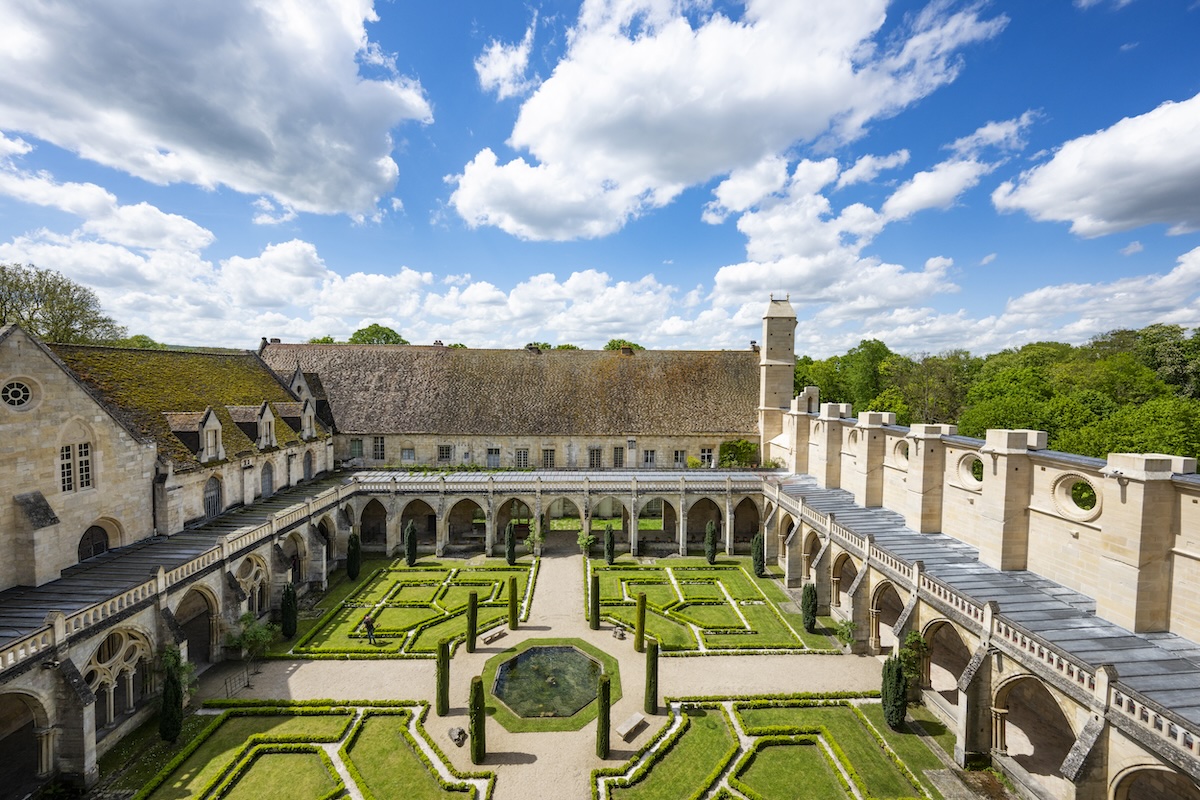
x=629, y=728
x=499, y=633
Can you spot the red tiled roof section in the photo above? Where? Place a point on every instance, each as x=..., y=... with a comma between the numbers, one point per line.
x=416, y=389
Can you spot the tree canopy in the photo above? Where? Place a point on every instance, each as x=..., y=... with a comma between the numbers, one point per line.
x=1123, y=391
x=376, y=334
x=326, y=339
x=53, y=307
x=617, y=344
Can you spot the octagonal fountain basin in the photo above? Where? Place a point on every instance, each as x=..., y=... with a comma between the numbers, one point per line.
x=547, y=681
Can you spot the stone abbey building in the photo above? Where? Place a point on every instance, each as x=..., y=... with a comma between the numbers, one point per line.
x=153, y=497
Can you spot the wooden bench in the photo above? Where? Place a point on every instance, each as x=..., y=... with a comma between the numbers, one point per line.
x=499, y=633
x=629, y=728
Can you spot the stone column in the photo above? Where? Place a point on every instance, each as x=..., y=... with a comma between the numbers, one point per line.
x=129, y=700
x=835, y=592
x=999, y=730
x=45, y=747
x=633, y=520
x=873, y=630
x=682, y=527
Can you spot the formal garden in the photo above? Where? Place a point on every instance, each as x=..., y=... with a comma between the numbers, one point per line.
x=696, y=608
x=413, y=608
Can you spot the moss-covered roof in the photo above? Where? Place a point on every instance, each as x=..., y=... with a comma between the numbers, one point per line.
x=440, y=390
x=153, y=391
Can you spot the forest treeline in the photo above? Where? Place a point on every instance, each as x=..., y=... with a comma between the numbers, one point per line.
x=1123, y=391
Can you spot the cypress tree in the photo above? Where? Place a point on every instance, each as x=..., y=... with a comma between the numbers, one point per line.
x=610, y=545
x=603, y=714
x=410, y=544
x=893, y=693
x=291, y=612
x=472, y=620
x=808, y=606
x=353, y=557
x=639, y=631
x=594, y=603
x=477, y=721
x=510, y=544
x=443, y=678
x=710, y=542
x=514, y=614
x=651, y=705
x=758, y=555
x=170, y=719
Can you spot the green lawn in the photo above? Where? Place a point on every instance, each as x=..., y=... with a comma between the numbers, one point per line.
x=689, y=601
x=413, y=607
x=791, y=771
x=303, y=776
x=684, y=770
x=388, y=766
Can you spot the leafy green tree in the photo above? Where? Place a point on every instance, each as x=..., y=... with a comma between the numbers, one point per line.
x=290, y=612
x=891, y=399
x=893, y=693
x=861, y=370
x=327, y=339
x=539, y=345
x=353, y=557
x=617, y=344
x=710, y=542
x=808, y=607
x=510, y=543
x=912, y=659
x=585, y=540
x=603, y=715
x=514, y=600
x=639, y=630
x=178, y=676
x=140, y=341
x=594, y=602
x=477, y=720
x=376, y=334
x=457, y=346
x=253, y=638
x=566, y=346
x=53, y=307
x=737, y=453
x=610, y=545
x=535, y=538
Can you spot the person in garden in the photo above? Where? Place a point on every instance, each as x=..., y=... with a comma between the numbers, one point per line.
x=369, y=625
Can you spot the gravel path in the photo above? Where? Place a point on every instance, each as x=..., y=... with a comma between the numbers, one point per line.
x=553, y=766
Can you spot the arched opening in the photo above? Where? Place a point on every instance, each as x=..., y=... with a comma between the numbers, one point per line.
x=466, y=528
x=325, y=531
x=609, y=511
x=657, y=527
x=119, y=674
x=702, y=512
x=196, y=614
x=812, y=548
x=885, y=610
x=1156, y=784
x=94, y=542
x=23, y=767
x=267, y=480
x=372, y=526
x=1036, y=733
x=746, y=524
x=424, y=522
x=308, y=465
x=254, y=579
x=563, y=522
x=213, y=499
x=787, y=524
x=948, y=657
x=518, y=513
x=844, y=573
x=295, y=550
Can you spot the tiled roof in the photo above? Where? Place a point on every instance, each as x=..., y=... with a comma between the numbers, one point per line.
x=162, y=394
x=416, y=389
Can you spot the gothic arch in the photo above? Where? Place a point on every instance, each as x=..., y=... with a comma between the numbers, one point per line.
x=466, y=524
x=702, y=511
x=747, y=521
x=197, y=613
x=326, y=530
x=1035, y=730
x=267, y=480
x=214, y=496
x=886, y=605
x=119, y=675
x=254, y=577
x=372, y=524
x=658, y=523
x=295, y=551
x=609, y=510
x=1152, y=782
x=948, y=656
x=26, y=742
x=845, y=570
x=424, y=520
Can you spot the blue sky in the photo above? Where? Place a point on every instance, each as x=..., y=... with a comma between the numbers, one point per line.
x=934, y=175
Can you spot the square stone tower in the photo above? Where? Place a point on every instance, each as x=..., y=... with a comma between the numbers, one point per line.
x=777, y=368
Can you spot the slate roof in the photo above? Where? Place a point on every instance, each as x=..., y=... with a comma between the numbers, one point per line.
x=407, y=389
x=161, y=394
x=1164, y=667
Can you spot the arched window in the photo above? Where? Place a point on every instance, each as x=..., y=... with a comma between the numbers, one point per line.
x=268, y=480
x=308, y=466
x=93, y=543
x=212, y=498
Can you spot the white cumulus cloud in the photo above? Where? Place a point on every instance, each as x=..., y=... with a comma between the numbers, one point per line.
x=502, y=67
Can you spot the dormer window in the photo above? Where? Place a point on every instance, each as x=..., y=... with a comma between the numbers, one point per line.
x=308, y=422
x=211, y=445
x=266, y=428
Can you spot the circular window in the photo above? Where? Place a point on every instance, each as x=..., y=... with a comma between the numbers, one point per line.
x=900, y=453
x=1075, y=497
x=16, y=394
x=853, y=437
x=970, y=471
